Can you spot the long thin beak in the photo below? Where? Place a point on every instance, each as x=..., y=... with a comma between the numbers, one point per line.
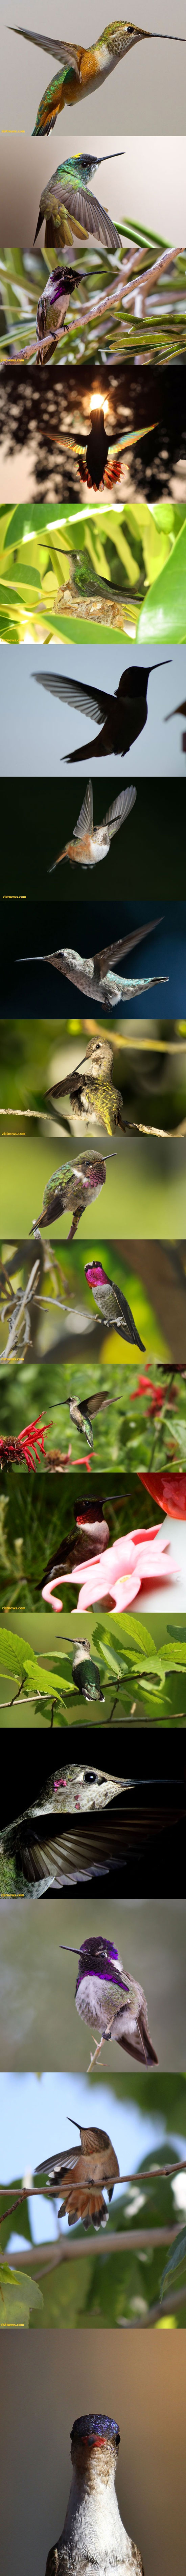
x=72, y=1954
x=73, y=2124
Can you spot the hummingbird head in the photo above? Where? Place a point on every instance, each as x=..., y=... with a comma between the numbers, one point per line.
x=95, y=1274
x=90, y=2434
x=134, y=682
x=88, y=1513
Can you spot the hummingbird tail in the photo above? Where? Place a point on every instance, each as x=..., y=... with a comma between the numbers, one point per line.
x=88, y=2205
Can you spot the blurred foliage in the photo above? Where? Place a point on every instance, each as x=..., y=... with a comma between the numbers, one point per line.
x=67, y=1301
x=149, y=1068
x=28, y=1541
x=111, y=2288
x=160, y=332
x=143, y=1424
x=45, y=586
x=18, y=2295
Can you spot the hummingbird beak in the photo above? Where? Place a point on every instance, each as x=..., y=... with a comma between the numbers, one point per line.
x=72, y=2124
x=72, y=1954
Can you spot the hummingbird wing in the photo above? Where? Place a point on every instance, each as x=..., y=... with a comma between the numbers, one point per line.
x=85, y=818
x=118, y=812
x=55, y=2166
x=129, y=438
x=90, y=216
x=75, y=693
x=67, y=54
x=125, y=1310
x=107, y=956
x=93, y=1403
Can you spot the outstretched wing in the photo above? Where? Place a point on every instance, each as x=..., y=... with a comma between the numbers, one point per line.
x=122, y=806
x=54, y=2166
x=67, y=54
x=108, y=956
x=75, y=693
x=85, y=818
x=130, y=437
x=92, y=1403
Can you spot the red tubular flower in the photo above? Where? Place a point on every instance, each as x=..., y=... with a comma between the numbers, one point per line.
x=32, y=1438
x=145, y=1387
x=168, y=1490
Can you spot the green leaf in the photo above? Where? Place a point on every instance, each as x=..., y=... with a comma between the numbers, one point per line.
x=176, y=2257
x=17, y=1658
x=17, y=2296
x=163, y=616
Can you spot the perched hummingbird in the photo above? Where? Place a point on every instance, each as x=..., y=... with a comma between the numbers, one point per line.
x=73, y=1186
x=84, y=69
x=111, y=1304
x=91, y=841
x=89, y=1518
x=92, y=1094
x=124, y=715
x=53, y=305
x=86, y=1672
x=70, y=212
x=82, y=1410
x=110, y=2000
x=93, y=976
x=93, y=2534
x=91, y=2165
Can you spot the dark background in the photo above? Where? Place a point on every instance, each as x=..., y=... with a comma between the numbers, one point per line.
x=161, y=1863
x=39, y=990
x=32, y=405
x=38, y=817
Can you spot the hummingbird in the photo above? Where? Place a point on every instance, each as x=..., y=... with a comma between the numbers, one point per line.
x=94, y=466
x=178, y=711
x=84, y=69
x=111, y=1304
x=89, y=1518
x=92, y=1093
x=67, y=208
x=82, y=1410
x=74, y=1186
x=94, y=977
x=91, y=841
x=53, y=305
x=93, y=2533
x=81, y=2172
x=124, y=715
x=53, y=1858
x=110, y=2001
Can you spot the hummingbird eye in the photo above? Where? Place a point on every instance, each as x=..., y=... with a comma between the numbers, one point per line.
x=89, y=1775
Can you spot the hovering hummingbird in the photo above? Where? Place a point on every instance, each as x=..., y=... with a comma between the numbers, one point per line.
x=111, y=1304
x=91, y=841
x=74, y=1186
x=82, y=1410
x=68, y=209
x=84, y=69
x=93, y=2531
x=178, y=711
x=124, y=715
x=81, y=2172
x=92, y=1093
x=89, y=1518
x=110, y=2001
x=93, y=976
x=93, y=466
x=53, y=306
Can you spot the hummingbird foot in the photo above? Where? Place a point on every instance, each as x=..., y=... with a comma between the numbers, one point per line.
x=96, y=2052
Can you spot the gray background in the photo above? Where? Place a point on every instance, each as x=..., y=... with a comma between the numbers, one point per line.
x=39, y=2025
x=147, y=91
x=35, y=729
x=146, y=188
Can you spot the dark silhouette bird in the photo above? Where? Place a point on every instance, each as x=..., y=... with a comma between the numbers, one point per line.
x=94, y=976
x=93, y=2532
x=53, y=306
x=74, y=1186
x=89, y=1519
x=69, y=210
x=91, y=841
x=82, y=69
x=111, y=1304
x=81, y=2171
x=178, y=711
x=110, y=2000
x=124, y=715
x=94, y=466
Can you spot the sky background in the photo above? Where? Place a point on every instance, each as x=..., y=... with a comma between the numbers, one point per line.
x=35, y=730
x=148, y=87
x=35, y=2114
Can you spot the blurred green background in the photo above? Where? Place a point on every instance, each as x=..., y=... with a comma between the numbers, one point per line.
x=28, y=1540
x=37, y=2006
x=61, y=1312
x=135, y=1706
x=145, y=2125
x=146, y=1175
x=141, y=1425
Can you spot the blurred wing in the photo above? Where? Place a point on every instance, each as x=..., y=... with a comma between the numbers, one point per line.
x=85, y=818
x=130, y=437
x=75, y=693
x=93, y=1403
x=108, y=956
x=118, y=812
x=67, y=54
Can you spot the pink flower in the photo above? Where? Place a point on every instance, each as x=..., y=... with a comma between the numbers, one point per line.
x=120, y=1573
